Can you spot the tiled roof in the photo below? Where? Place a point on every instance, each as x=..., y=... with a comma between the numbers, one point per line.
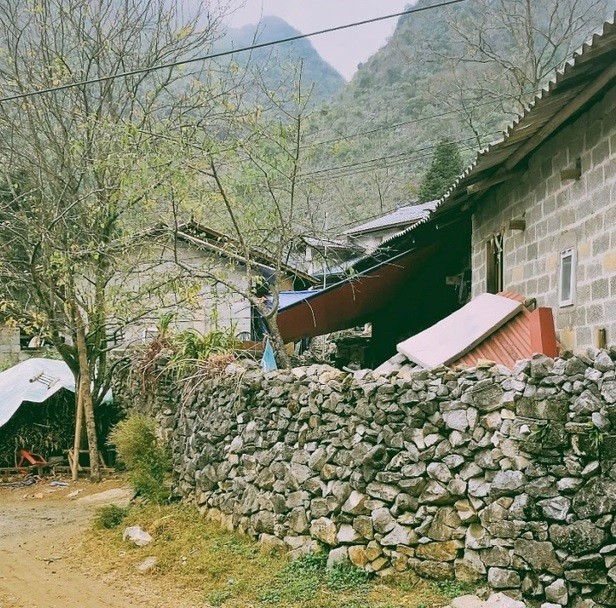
x=400, y=217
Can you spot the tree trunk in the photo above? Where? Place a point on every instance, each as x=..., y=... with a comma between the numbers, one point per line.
x=277, y=343
x=84, y=394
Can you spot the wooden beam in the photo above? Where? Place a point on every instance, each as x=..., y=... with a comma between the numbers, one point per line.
x=556, y=121
x=492, y=181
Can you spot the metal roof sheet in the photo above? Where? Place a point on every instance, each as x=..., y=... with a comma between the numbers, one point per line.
x=34, y=380
x=399, y=217
x=593, y=64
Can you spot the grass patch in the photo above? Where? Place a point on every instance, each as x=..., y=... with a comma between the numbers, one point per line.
x=110, y=516
x=451, y=589
x=218, y=568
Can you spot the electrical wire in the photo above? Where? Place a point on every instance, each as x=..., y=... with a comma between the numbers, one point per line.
x=253, y=47
x=380, y=158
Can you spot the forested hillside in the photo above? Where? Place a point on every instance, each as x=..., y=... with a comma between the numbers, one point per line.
x=459, y=73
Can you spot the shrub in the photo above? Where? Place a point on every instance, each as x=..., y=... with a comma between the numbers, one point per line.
x=145, y=458
x=110, y=516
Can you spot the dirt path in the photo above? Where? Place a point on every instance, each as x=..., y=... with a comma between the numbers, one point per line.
x=37, y=538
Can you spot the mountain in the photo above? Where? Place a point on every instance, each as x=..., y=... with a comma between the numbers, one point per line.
x=276, y=64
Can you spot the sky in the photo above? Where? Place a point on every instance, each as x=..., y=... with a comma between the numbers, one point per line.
x=343, y=50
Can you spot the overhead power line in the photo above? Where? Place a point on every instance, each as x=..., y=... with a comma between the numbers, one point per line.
x=413, y=121
x=381, y=158
x=253, y=47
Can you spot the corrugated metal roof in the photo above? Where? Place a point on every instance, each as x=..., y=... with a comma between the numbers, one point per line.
x=34, y=380
x=590, y=71
x=400, y=217
x=507, y=345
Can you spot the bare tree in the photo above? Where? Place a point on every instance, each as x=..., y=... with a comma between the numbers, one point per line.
x=87, y=168
x=501, y=52
x=251, y=187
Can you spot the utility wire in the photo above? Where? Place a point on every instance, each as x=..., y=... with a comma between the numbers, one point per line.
x=389, y=157
x=399, y=124
x=393, y=164
x=253, y=47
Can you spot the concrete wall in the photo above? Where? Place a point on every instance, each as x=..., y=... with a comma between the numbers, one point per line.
x=209, y=307
x=9, y=346
x=561, y=214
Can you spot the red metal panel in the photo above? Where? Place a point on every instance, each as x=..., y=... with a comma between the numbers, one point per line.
x=523, y=336
x=542, y=333
x=352, y=301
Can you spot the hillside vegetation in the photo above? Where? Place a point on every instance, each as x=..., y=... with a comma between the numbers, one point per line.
x=459, y=73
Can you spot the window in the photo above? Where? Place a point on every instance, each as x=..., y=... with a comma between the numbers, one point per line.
x=567, y=278
x=494, y=253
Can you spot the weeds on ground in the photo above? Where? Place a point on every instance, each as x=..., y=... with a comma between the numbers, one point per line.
x=300, y=581
x=451, y=589
x=110, y=516
x=228, y=570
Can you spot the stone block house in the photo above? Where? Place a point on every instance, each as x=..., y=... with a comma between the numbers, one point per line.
x=543, y=200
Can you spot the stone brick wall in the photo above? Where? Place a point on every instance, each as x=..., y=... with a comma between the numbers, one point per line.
x=477, y=474
x=561, y=214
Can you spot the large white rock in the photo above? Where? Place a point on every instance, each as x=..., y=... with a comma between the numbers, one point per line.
x=137, y=535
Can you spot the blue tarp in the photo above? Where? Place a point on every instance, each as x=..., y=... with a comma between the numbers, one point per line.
x=287, y=298
x=268, y=362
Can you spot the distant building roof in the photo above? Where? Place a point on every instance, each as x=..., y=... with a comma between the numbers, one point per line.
x=330, y=244
x=402, y=217
x=207, y=238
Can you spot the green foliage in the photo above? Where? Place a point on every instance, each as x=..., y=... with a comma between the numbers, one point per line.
x=145, y=458
x=300, y=580
x=191, y=346
x=596, y=437
x=218, y=598
x=451, y=589
x=445, y=168
x=110, y=516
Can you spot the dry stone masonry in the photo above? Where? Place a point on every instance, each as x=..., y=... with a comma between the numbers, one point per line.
x=479, y=474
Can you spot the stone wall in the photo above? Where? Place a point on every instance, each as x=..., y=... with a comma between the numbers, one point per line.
x=478, y=474
x=561, y=214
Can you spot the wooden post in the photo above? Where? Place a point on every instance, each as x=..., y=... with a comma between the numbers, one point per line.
x=77, y=444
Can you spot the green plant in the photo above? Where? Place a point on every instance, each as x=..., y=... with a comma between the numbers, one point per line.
x=596, y=437
x=218, y=598
x=300, y=580
x=346, y=577
x=142, y=453
x=110, y=516
x=451, y=589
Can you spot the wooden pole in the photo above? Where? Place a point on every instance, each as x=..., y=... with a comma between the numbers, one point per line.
x=77, y=443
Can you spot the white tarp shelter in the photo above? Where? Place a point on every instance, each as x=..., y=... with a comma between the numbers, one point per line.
x=34, y=380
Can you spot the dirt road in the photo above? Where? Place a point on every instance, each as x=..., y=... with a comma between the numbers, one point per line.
x=38, y=537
